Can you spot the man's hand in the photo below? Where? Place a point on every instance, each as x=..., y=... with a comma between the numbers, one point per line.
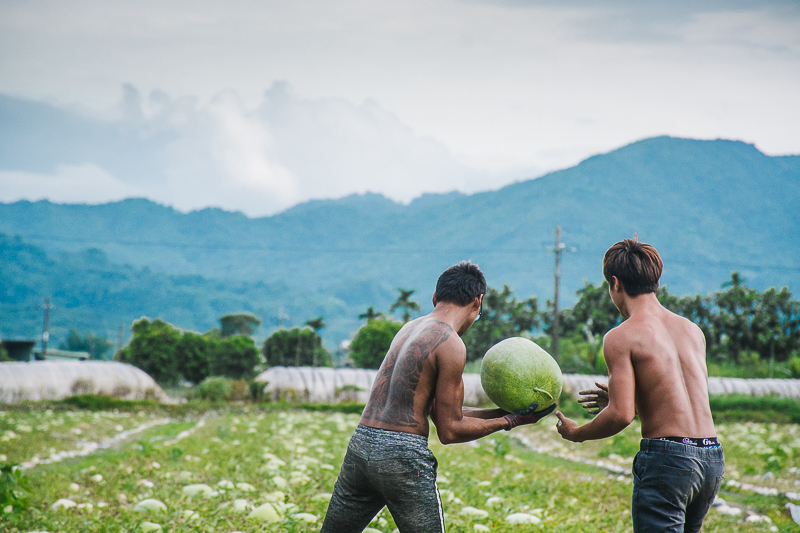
x=566, y=427
x=596, y=399
x=528, y=415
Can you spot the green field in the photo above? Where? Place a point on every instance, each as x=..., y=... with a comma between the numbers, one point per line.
x=241, y=457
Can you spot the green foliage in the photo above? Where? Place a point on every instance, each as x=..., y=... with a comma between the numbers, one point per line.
x=4, y=357
x=234, y=357
x=503, y=317
x=296, y=347
x=741, y=325
x=592, y=315
x=568, y=405
x=794, y=366
x=14, y=489
x=316, y=323
x=576, y=355
x=97, y=347
x=215, y=389
x=194, y=356
x=372, y=341
x=153, y=349
x=167, y=355
x=370, y=314
x=257, y=390
x=99, y=402
x=238, y=324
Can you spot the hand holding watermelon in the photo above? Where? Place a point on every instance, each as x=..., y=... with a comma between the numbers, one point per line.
x=529, y=415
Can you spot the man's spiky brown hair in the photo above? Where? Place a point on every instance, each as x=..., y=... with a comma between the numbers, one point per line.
x=635, y=264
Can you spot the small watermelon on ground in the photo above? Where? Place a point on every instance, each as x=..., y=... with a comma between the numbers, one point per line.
x=516, y=372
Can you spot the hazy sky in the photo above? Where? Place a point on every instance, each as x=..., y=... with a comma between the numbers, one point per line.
x=258, y=105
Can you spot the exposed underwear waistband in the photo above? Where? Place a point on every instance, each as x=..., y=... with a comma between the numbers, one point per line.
x=710, y=442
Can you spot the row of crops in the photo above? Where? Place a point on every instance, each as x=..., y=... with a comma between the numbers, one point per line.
x=252, y=469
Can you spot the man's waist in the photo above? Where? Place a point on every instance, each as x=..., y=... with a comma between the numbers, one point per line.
x=706, y=442
x=391, y=436
x=708, y=447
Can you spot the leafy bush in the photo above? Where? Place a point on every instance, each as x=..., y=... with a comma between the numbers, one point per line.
x=238, y=324
x=97, y=347
x=240, y=390
x=192, y=352
x=372, y=341
x=153, y=349
x=257, y=390
x=296, y=347
x=794, y=366
x=99, y=402
x=214, y=389
x=234, y=357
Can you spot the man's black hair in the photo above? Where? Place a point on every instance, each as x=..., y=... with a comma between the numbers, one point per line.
x=460, y=284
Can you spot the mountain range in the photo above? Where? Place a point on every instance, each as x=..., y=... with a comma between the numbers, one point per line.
x=709, y=207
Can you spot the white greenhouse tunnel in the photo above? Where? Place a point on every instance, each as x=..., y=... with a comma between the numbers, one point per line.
x=330, y=385
x=54, y=380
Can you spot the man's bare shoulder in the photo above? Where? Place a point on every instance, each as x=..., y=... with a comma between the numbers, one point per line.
x=452, y=348
x=620, y=334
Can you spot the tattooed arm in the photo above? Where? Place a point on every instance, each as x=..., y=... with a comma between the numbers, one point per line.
x=452, y=423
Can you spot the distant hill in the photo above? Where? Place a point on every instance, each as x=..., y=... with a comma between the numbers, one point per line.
x=90, y=293
x=709, y=207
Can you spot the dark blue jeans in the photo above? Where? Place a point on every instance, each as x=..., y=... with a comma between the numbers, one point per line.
x=386, y=468
x=674, y=485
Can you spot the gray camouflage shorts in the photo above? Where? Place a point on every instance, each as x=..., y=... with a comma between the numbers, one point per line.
x=386, y=468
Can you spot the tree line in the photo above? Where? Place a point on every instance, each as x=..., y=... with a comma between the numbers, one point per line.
x=741, y=325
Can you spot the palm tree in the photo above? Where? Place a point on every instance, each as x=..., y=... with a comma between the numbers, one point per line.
x=371, y=314
x=316, y=324
x=404, y=301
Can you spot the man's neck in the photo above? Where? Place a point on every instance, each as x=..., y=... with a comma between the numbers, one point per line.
x=453, y=315
x=643, y=303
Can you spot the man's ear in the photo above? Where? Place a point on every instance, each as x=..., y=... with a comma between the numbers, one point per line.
x=617, y=284
x=433, y=299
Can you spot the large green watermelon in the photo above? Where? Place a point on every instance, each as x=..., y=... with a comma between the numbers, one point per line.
x=516, y=372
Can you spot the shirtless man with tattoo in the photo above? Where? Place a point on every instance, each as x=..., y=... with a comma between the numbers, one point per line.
x=656, y=368
x=388, y=462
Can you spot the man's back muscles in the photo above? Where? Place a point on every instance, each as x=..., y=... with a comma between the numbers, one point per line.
x=404, y=385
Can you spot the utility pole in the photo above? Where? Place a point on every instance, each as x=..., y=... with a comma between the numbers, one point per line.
x=559, y=249
x=45, y=330
x=119, y=341
x=281, y=317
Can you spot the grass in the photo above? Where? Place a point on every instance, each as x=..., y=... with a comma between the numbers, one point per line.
x=740, y=407
x=239, y=443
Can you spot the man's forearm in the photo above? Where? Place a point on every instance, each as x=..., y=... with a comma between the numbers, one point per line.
x=604, y=425
x=474, y=412
x=470, y=428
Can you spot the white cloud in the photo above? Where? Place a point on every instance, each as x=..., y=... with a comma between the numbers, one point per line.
x=402, y=98
x=260, y=159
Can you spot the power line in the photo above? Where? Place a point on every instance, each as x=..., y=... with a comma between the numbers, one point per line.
x=542, y=249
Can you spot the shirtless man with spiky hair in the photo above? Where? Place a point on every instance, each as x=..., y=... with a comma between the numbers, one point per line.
x=656, y=368
x=388, y=462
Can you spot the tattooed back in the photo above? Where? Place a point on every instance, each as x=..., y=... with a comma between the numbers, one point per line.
x=404, y=388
